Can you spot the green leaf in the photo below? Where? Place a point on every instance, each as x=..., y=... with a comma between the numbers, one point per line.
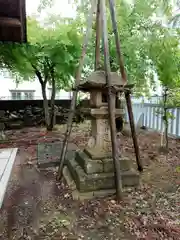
x=52, y=48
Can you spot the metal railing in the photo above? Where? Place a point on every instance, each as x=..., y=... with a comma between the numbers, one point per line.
x=149, y=115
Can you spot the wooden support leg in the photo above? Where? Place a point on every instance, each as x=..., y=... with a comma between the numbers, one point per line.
x=117, y=167
x=133, y=130
x=74, y=99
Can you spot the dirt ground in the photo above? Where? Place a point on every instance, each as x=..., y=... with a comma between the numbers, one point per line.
x=36, y=207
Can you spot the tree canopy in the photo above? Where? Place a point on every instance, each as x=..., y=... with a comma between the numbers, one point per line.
x=142, y=28
x=58, y=47
x=51, y=55
x=165, y=54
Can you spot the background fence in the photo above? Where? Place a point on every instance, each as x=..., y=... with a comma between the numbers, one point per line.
x=146, y=113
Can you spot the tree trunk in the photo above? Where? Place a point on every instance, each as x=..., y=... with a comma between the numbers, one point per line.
x=166, y=131
x=43, y=89
x=45, y=105
x=52, y=114
x=165, y=119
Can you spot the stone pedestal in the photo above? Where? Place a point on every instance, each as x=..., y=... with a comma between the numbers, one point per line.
x=91, y=175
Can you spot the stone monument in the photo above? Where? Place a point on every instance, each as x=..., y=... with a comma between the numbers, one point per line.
x=91, y=172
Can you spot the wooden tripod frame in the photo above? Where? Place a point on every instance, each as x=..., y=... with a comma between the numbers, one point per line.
x=102, y=31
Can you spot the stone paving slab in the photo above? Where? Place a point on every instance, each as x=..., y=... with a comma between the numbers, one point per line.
x=4, y=158
x=3, y=164
x=48, y=154
x=5, y=153
x=7, y=158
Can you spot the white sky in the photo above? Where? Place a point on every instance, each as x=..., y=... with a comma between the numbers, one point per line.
x=61, y=7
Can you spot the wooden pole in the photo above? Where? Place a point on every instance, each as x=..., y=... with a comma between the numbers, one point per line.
x=133, y=131
x=117, y=41
x=124, y=77
x=98, y=36
x=75, y=93
x=111, y=106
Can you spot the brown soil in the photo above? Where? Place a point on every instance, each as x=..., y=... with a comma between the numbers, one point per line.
x=38, y=207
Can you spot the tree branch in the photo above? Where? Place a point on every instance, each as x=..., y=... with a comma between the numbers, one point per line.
x=38, y=74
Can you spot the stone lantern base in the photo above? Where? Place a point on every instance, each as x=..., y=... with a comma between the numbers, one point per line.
x=90, y=174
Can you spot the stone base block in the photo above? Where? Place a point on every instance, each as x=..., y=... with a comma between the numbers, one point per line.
x=48, y=154
x=104, y=165
x=77, y=195
x=48, y=163
x=99, y=181
x=96, y=153
x=90, y=178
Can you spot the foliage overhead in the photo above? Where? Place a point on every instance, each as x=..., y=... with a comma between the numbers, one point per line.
x=56, y=48
x=44, y=4
x=142, y=35
x=165, y=54
x=140, y=27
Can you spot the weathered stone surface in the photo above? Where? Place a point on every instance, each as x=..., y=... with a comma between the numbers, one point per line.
x=70, y=182
x=100, y=131
x=92, y=195
x=125, y=164
x=99, y=181
x=104, y=193
x=48, y=154
x=82, y=196
x=103, y=112
x=100, y=165
x=92, y=170
x=77, y=195
x=96, y=153
x=99, y=145
x=89, y=165
x=7, y=158
x=98, y=79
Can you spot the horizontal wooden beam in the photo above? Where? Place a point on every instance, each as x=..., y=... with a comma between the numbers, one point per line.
x=13, y=21
x=6, y=21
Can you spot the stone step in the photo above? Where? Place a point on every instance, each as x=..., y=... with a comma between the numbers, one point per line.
x=99, y=181
x=100, y=166
x=77, y=195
